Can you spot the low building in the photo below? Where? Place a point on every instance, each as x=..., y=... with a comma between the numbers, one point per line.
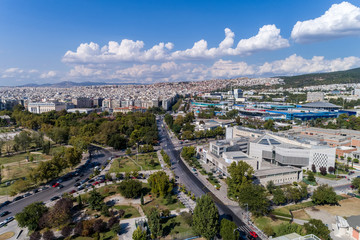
x=278, y=175
x=42, y=107
x=81, y=110
x=315, y=96
x=129, y=109
x=342, y=151
x=354, y=223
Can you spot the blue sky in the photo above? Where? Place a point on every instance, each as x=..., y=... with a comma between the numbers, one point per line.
x=150, y=41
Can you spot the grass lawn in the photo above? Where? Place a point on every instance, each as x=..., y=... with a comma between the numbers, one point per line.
x=262, y=222
x=130, y=212
x=124, y=164
x=286, y=210
x=103, y=236
x=176, y=228
x=327, y=176
x=159, y=203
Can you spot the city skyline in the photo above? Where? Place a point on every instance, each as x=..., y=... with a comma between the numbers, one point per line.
x=141, y=42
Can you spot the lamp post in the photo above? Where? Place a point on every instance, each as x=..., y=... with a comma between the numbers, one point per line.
x=247, y=212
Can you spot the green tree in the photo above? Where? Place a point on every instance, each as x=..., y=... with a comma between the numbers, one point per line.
x=324, y=194
x=72, y=157
x=279, y=196
x=240, y=173
x=23, y=140
x=255, y=197
x=29, y=217
x=95, y=200
x=270, y=186
x=139, y=234
x=311, y=177
x=160, y=183
x=154, y=223
x=316, y=227
x=356, y=182
x=206, y=217
x=227, y=230
x=130, y=188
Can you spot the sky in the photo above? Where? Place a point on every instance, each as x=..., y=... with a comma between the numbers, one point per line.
x=48, y=41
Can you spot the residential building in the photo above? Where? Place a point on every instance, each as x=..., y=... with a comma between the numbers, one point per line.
x=82, y=102
x=41, y=107
x=315, y=96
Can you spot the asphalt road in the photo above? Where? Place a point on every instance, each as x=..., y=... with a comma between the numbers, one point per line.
x=101, y=156
x=191, y=182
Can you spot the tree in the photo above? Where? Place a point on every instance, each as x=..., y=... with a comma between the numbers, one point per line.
x=324, y=194
x=323, y=171
x=160, y=183
x=313, y=168
x=99, y=226
x=356, y=182
x=206, y=217
x=59, y=214
x=30, y=215
x=112, y=221
x=270, y=186
x=154, y=223
x=79, y=201
x=279, y=196
x=72, y=157
x=311, y=177
x=130, y=188
x=128, y=151
x=255, y=197
x=95, y=200
x=48, y=235
x=331, y=169
x=66, y=231
x=139, y=234
x=227, y=228
x=293, y=194
x=240, y=173
x=142, y=199
x=78, y=229
x=23, y=140
x=316, y=227
x=35, y=236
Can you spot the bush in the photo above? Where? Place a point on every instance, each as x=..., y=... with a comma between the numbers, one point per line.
x=35, y=236
x=130, y=188
x=48, y=235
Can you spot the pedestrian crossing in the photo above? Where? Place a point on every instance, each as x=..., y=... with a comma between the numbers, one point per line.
x=244, y=228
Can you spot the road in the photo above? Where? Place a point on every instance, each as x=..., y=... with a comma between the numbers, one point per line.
x=101, y=156
x=191, y=182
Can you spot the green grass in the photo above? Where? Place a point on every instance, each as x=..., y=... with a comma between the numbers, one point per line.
x=159, y=203
x=110, y=235
x=176, y=228
x=286, y=210
x=124, y=164
x=327, y=176
x=130, y=212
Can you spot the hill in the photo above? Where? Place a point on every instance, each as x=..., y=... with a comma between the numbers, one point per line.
x=69, y=84
x=349, y=76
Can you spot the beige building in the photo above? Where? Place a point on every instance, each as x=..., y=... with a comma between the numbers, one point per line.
x=279, y=175
x=42, y=107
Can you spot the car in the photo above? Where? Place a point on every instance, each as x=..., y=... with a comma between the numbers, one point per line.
x=91, y=180
x=80, y=188
x=60, y=180
x=55, y=185
x=60, y=186
x=253, y=234
x=18, y=198
x=84, y=181
x=101, y=181
x=3, y=214
x=35, y=191
x=78, y=179
x=9, y=219
x=2, y=224
x=242, y=235
x=54, y=198
x=27, y=194
x=4, y=204
x=44, y=188
x=95, y=183
x=77, y=184
x=72, y=191
x=81, y=175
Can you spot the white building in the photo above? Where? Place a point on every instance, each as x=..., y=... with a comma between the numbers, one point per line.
x=315, y=96
x=41, y=107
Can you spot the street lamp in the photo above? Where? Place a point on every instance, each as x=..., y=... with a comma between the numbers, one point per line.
x=247, y=212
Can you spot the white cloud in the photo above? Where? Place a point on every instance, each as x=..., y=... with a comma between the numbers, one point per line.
x=340, y=20
x=172, y=71
x=268, y=38
x=49, y=74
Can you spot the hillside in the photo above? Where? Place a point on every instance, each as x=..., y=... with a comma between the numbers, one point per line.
x=349, y=76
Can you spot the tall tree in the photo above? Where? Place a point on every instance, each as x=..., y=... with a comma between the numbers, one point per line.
x=139, y=234
x=324, y=194
x=240, y=173
x=160, y=183
x=206, y=217
x=227, y=230
x=95, y=200
x=255, y=197
x=154, y=223
x=318, y=228
x=30, y=215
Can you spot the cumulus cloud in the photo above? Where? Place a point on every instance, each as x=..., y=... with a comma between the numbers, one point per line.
x=268, y=38
x=173, y=71
x=49, y=74
x=339, y=21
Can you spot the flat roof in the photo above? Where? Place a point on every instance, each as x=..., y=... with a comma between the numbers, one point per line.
x=276, y=170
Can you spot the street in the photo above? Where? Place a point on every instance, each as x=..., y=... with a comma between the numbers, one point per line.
x=191, y=182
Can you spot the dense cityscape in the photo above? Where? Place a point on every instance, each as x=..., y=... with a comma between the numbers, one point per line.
x=183, y=134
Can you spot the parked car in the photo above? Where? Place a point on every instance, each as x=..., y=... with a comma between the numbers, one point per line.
x=4, y=204
x=54, y=198
x=3, y=214
x=55, y=185
x=60, y=186
x=253, y=235
x=18, y=198
x=9, y=219
x=77, y=184
x=27, y=194
x=35, y=191
x=72, y=191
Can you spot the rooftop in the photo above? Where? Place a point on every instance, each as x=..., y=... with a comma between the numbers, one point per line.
x=320, y=105
x=275, y=170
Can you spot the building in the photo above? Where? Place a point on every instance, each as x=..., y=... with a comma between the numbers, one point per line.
x=348, y=228
x=295, y=236
x=315, y=96
x=238, y=93
x=278, y=175
x=97, y=102
x=129, y=109
x=41, y=107
x=81, y=110
x=282, y=151
x=83, y=102
x=354, y=223
x=321, y=106
x=237, y=131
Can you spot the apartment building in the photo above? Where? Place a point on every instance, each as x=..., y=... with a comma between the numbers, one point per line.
x=42, y=107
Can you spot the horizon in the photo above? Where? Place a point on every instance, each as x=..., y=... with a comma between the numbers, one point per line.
x=142, y=43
